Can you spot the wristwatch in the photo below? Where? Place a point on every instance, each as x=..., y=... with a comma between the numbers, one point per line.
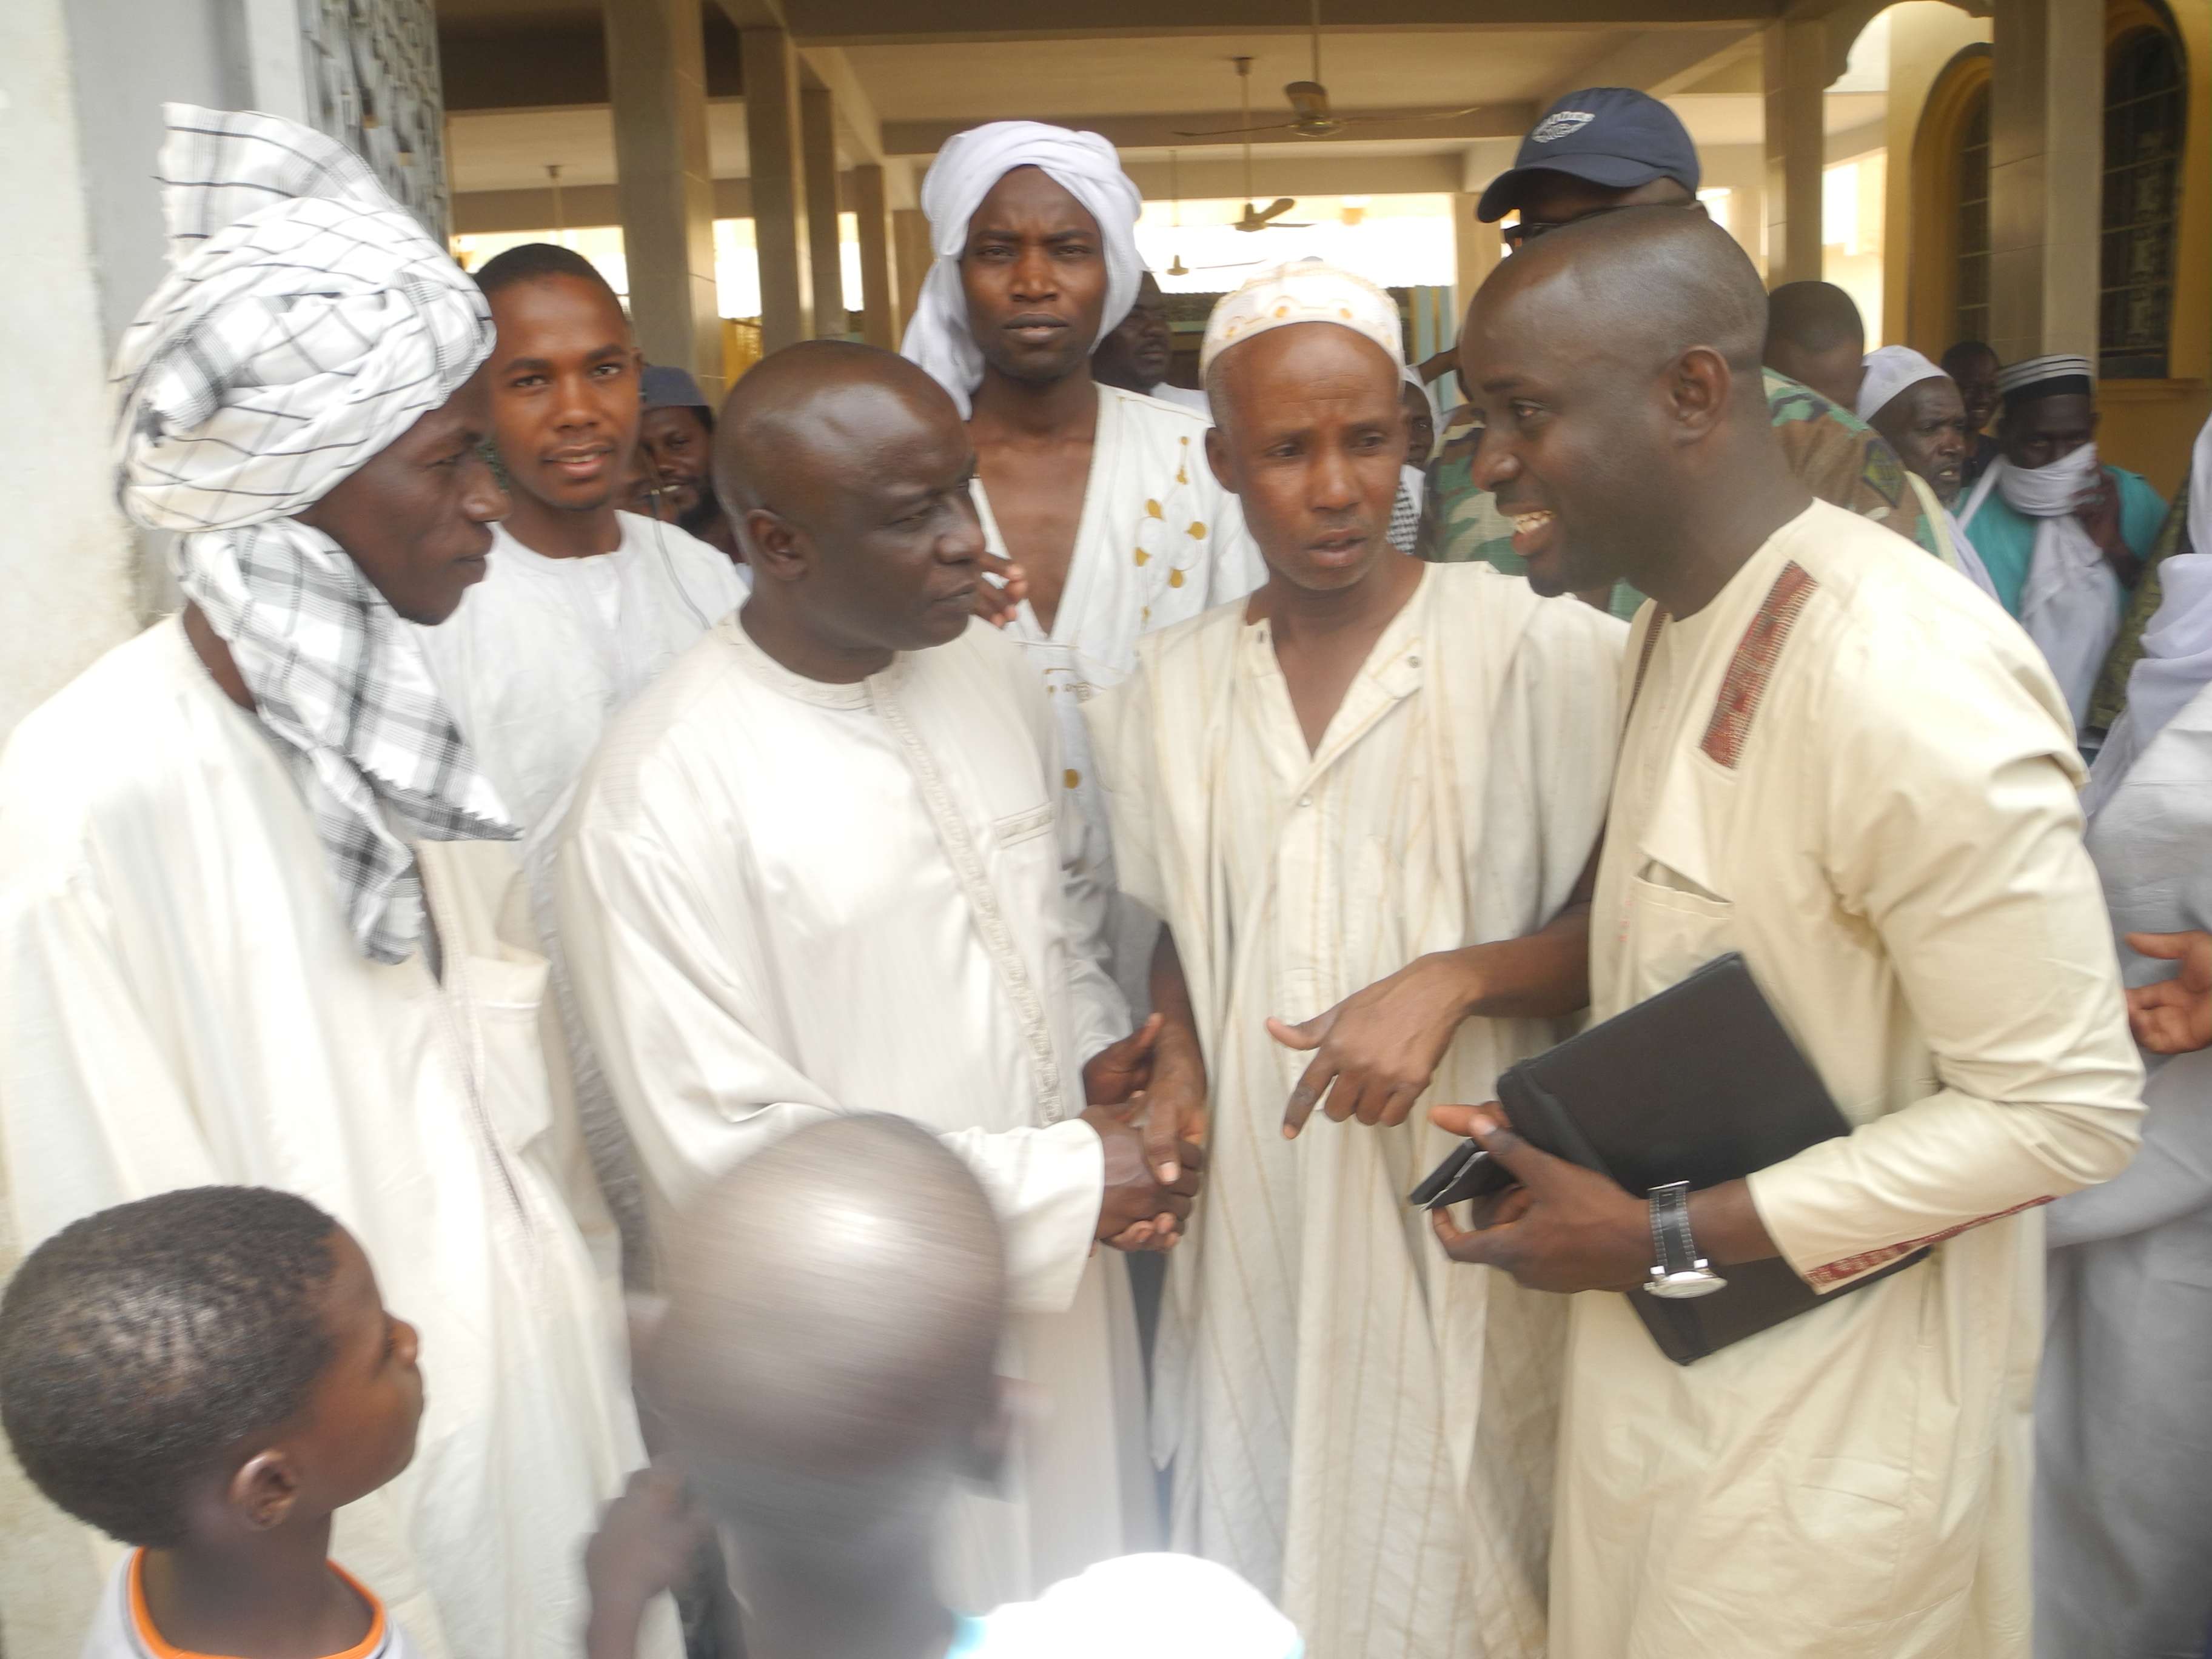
x=1679, y=1271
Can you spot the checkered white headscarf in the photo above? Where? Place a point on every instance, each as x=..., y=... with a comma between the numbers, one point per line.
x=306, y=323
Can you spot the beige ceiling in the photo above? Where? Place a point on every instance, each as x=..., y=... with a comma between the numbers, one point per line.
x=999, y=80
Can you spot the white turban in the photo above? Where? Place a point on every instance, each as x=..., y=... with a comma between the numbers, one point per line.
x=1081, y=163
x=1890, y=370
x=1306, y=291
x=306, y=323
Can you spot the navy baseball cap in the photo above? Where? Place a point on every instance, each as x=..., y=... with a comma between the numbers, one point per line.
x=663, y=386
x=1616, y=137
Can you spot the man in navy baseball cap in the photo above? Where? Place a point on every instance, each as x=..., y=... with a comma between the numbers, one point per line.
x=1596, y=149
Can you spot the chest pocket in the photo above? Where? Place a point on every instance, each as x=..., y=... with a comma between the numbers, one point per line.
x=1677, y=910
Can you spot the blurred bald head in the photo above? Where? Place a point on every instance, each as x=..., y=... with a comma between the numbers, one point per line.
x=846, y=470
x=1614, y=364
x=1814, y=336
x=826, y=1362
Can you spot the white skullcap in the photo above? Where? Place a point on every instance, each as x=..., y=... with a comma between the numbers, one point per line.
x=1306, y=291
x=1122, y=1605
x=1081, y=163
x=2040, y=371
x=1890, y=370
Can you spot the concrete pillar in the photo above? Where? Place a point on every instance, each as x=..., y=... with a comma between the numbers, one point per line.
x=656, y=81
x=1796, y=85
x=911, y=250
x=818, y=163
x=772, y=119
x=2046, y=165
x=879, y=273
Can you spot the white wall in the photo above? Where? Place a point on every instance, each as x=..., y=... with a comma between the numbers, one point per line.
x=64, y=597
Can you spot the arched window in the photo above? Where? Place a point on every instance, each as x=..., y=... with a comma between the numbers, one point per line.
x=2144, y=103
x=1947, y=280
x=1971, y=315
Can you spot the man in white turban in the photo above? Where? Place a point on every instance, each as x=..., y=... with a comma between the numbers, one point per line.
x=1362, y=800
x=1100, y=497
x=255, y=923
x=1920, y=409
x=2062, y=536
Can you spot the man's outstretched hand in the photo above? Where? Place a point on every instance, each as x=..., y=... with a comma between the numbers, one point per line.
x=2174, y=1016
x=1377, y=1048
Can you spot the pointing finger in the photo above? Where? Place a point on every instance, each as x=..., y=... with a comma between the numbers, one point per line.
x=1311, y=1084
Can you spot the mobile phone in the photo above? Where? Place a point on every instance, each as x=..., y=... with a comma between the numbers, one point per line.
x=1468, y=1172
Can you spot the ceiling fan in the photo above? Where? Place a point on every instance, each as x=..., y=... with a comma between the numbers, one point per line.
x=1310, y=110
x=1269, y=217
x=1175, y=267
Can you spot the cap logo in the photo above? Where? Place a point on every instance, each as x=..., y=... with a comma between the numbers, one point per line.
x=1559, y=124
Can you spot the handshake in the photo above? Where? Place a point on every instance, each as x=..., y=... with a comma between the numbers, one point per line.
x=1147, y=1105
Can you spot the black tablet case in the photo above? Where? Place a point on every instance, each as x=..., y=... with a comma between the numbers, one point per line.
x=1698, y=1084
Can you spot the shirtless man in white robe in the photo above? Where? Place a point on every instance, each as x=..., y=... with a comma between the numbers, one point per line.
x=1100, y=497
x=1375, y=824
x=1843, y=763
x=254, y=923
x=825, y=864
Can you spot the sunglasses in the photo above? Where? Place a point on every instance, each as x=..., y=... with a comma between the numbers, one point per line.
x=1525, y=230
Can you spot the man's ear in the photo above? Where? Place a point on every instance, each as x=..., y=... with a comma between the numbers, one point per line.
x=993, y=1441
x=263, y=1489
x=774, y=545
x=1698, y=388
x=1216, y=458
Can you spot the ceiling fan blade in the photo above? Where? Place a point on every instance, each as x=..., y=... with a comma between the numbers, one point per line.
x=1219, y=132
x=1229, y=264
x=1276, y=209
x=1411, y=115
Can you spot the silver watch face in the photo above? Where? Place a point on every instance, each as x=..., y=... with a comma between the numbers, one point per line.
x=1692, y=1281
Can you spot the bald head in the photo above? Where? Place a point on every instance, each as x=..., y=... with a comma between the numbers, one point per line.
x=1645, y=283
x=1813, y=335
x=805, y=418
x=835, y=1304
x=845, y=470
x=1614, y=365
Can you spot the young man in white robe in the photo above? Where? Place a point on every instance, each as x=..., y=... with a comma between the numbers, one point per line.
x=1841, y=762
x=584, y=606
x=1362, y=800
x=253, y=925
x=1100, y=497
x=825, y=864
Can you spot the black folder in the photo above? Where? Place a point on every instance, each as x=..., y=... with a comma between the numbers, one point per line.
x=1699, y=1084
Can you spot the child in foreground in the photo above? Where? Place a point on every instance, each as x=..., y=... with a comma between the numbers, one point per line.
x=827, y=1370
x=206, y=1375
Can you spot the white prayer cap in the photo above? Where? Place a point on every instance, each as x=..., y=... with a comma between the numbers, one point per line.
x=1081, y=163
x=2047, y=376
x=306, y=321
x=1890, y=370
x=1120, y=1605
x=1306, y=292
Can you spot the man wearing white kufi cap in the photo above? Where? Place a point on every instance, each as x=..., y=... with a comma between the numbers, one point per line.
x=2062, y=536
x=254, y=923
x=1918, y=408
x=1363, y=800
x=1100, y=495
